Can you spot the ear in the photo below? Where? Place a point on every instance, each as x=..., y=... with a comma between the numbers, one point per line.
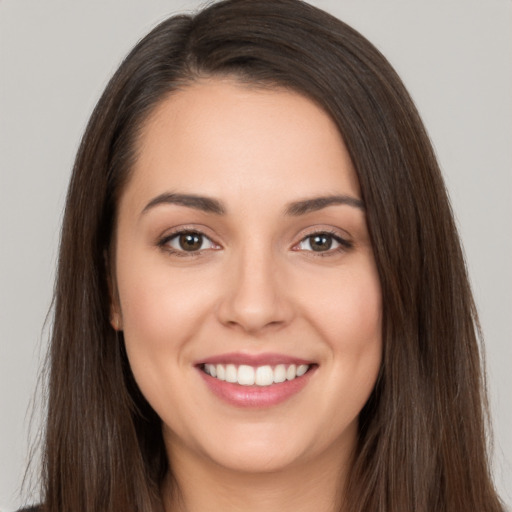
x=116, y=318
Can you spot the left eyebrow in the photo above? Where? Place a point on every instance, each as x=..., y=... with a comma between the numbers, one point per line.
x=318, y=203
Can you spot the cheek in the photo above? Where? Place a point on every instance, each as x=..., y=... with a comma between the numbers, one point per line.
x=156, y=299
x=359, y=327
x=347, y=308
x=161, y=310
x=349, y=317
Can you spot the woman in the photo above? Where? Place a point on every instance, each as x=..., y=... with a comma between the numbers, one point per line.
x=261, y=298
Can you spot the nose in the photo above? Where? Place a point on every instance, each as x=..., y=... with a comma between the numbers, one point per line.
x=254, y=298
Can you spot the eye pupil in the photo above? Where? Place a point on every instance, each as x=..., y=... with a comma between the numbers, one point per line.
x=190, y=241
x=321, y=242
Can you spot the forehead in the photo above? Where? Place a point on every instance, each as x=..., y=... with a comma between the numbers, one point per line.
x=219, y=137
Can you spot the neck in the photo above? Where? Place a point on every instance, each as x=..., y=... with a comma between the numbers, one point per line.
x=198, y=484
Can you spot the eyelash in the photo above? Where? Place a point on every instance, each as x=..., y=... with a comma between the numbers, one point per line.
x=163, y=243
x=344, y=245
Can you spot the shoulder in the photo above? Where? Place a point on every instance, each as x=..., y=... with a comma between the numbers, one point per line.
x=31, y=509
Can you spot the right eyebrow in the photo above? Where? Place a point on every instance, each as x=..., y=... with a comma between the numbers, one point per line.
x=205, y=204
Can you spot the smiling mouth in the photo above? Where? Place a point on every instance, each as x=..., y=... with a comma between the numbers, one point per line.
x=255, y=381
x=262, y=376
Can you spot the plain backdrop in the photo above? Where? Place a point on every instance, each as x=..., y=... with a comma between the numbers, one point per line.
x=56, y=56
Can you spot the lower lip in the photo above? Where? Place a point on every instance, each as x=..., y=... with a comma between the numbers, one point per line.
x=256, y=396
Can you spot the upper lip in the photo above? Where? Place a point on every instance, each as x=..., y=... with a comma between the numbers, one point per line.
x=238, y=358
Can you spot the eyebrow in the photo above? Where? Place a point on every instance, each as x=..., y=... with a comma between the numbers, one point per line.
x=205, y=204
x=209, y=205
x=318, y=203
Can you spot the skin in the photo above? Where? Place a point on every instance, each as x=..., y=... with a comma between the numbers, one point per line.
x=255, y=286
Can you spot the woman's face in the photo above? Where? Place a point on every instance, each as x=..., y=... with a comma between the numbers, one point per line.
x=248, y=292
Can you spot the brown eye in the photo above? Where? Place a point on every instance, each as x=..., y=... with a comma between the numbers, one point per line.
x=188, y=241
x=322, y=242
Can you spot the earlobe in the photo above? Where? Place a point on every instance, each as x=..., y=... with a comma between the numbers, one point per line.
x=115, y=320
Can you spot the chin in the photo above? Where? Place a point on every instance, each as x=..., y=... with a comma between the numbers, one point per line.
x=265, y=448
x=257, y=458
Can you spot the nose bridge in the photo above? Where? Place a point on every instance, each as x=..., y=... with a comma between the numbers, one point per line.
x=253, y=298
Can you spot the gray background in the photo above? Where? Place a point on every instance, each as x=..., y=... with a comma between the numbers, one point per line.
x=56, y=56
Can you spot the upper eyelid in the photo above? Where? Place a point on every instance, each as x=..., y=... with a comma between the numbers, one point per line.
x=172, y=232
x=166, y=238
x=329, y=230
x=343, y=242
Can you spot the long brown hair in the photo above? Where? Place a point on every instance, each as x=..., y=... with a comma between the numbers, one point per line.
x=422, y=434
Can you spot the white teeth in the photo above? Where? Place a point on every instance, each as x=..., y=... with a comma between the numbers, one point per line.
x=211, y=369
x=291, y=373
x=246, y=375
x=264, y=376
x=231, y=373
x=302, y=369
x=221, y=372
x=280, y=373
